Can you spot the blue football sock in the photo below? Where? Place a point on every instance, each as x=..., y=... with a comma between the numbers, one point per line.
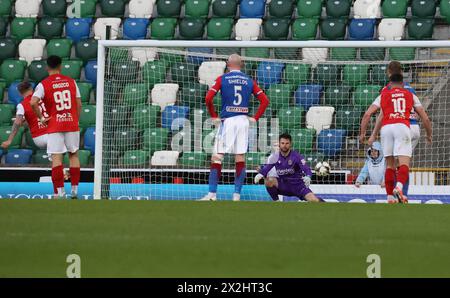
x=239, y=178
x=214, y=176
x=405, y=188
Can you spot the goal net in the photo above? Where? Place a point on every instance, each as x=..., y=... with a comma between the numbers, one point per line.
x=154, y=136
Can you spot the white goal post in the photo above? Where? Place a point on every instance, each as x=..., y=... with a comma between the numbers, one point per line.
x=435, y=90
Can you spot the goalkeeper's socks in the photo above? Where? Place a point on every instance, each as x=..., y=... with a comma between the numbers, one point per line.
x=389, y=180
x=58, y=179
x=239, y=178
x=214, y=176
x=402, y=176
x=273, y=192
x=74, y=179
x=405, y=187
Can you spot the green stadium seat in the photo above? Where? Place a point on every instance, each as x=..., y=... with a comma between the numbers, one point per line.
x=423, y=8
x=12, y=70
x=444, y=9
x=29, y=141
x=170, y=58
x=155, y=139
x=120, y=115
x=314, y=157
x=60, y=47
x=3, y=27
x=37, y=71
x=126, y=139
x=276, y=29
x=145, y=116
x=372, y=54
x=193, y=160
x=346, y=54
x=196, y=8
x=191, y=28
x=228, y=51
x=135, y=94
x=112, y=8
x=169, y=8
x=280, y=95
x=348, y=118
x=255, y=159
x=193, y=95
x=83, y=156
x=305, y=29
x=16, y=143
x=118, y=54
x=338, y=8
x=87, y=116
x=333, y=29
x=394, y=8
x=85, y=91
x=163, y=28
x=356, y=74
x=72, y=68
x=87, y=9
x=327, y=73
x=6, y=114
x=420, y=28
x=86, y=49
x=22, y=28
x=41, y=157
x=402, y=54
x=256, y=53
x=49, y=27
x=297, y=74
x=281, y=8
x=154, y=72
x=302, y=139
x=5, y=8
x=224, y=8
x=183, y=73
x=364, y=95
x=2, y=90
x=337, y=95
x=125, y=72
x=309, y=9
x=135, y=158
x=52, y=8
x=286, y=53
x=379, y=74
x=220, y=28
x=290, y=117
x=8, y=49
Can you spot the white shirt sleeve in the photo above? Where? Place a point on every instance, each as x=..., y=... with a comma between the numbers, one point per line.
x=20, y=110
x=78, y=91
x=39, y=91
x=417, y=102
x=377, y=101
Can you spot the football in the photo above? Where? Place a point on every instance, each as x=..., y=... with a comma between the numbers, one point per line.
x=322, y=169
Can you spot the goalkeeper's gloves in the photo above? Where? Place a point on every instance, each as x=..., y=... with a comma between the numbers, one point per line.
x=258, y=177
x=307, y=181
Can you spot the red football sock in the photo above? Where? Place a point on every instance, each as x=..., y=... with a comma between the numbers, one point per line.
x=403, y=174
x=74, y=176
x=58, y=177
x=218, y=167
x=389, y=180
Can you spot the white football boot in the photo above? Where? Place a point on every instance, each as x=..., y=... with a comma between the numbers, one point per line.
x=211, y=196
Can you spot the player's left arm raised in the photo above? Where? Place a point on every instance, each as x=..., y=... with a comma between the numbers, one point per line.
x=263, y=101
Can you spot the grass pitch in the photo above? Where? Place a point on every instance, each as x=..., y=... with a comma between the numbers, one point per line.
x=222, y=239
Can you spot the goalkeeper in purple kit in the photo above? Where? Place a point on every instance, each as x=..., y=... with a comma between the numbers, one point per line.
x=293, y=174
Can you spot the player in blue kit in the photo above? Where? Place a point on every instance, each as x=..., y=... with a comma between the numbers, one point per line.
x=294, y=175
x=236, y=89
